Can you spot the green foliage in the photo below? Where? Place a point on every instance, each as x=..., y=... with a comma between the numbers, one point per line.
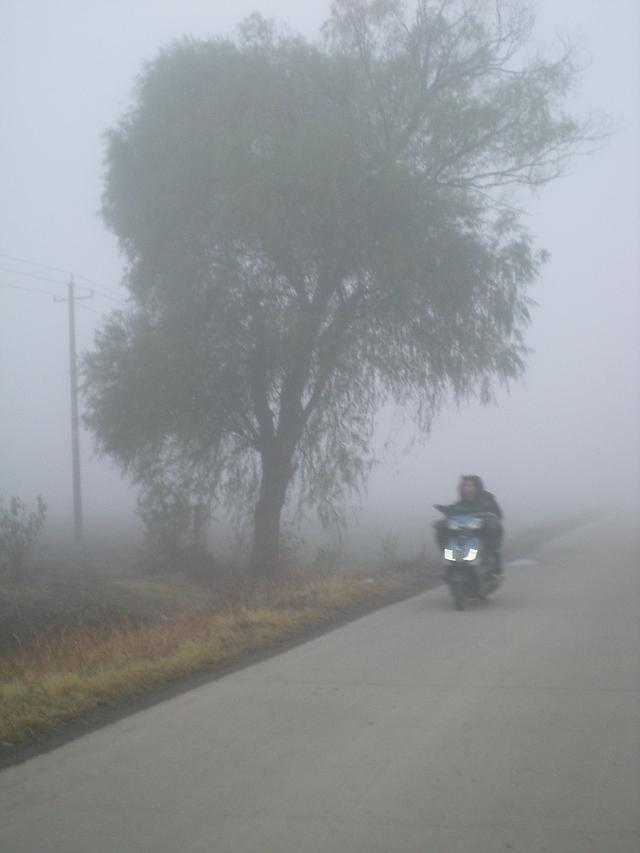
x=19, y=531
x=313, y=230
x=174, y=525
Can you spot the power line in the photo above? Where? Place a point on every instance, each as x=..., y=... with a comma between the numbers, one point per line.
x=54, y=296
x=99, y=286
x=119, y=300
x=106, y=292
x=34, y=263
x=66, y=272
x=27, y=289
x=46, y=278
x=91, y=310
x=33, y=275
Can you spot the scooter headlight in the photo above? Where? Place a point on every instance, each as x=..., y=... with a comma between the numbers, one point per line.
x=473, y=553
x=448, y=554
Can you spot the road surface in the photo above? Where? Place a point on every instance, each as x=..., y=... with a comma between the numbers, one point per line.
x=513, y=726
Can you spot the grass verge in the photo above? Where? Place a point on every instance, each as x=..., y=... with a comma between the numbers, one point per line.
x=82, y=647
x=61, y=674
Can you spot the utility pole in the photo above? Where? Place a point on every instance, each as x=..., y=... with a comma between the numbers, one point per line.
x=75, y=418
x=72, y=298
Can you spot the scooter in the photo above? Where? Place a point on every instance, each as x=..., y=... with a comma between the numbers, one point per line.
x=470, y=572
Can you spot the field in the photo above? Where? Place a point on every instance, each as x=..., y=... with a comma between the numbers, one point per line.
x=68, y=648
x=78, y=643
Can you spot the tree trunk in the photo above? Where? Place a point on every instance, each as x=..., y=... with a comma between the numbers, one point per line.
x=265, y=559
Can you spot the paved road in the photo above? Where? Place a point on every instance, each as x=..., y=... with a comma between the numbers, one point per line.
x=513, y=726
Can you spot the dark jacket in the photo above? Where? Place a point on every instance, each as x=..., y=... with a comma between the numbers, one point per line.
x=483, y=502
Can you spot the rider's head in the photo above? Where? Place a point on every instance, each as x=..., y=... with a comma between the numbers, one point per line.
x=470, y=487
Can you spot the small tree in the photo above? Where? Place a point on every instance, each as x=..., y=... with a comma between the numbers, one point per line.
x=175, y=519
x=19, y=531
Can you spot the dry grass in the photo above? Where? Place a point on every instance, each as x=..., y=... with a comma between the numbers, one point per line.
x=63, y=673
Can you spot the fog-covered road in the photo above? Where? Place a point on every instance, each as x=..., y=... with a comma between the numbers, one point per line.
x=512, y=726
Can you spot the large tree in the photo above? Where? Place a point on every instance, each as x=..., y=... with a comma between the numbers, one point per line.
x=313, y=230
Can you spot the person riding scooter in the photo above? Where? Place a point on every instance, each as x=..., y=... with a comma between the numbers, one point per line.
x=475, y=500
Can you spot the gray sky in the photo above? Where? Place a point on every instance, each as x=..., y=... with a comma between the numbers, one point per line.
x=568, y=436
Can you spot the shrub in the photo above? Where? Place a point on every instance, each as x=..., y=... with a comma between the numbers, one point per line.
x=19, y=531
x=175, y=527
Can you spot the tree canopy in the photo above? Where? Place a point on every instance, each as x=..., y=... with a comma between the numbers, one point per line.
x=314, y=229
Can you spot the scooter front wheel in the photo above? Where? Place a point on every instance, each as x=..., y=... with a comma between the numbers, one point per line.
x=457, y=591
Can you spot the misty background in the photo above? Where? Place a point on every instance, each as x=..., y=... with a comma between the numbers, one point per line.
x=566, y=439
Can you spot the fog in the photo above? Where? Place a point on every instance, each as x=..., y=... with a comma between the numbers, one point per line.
x=565, y=439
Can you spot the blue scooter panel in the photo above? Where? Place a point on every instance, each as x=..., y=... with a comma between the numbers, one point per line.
x=463, y=540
